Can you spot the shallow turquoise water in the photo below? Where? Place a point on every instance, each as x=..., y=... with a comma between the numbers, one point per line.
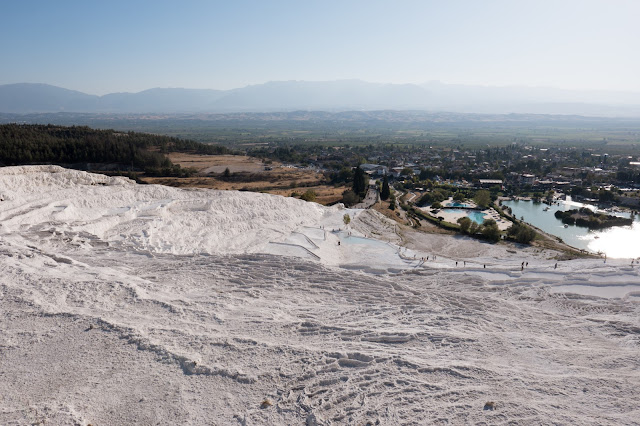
x=476, y=216
x=457, y=204
x=349, y=239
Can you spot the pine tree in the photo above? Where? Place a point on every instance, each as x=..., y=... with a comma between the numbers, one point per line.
x=359, y=182
x=385, y=192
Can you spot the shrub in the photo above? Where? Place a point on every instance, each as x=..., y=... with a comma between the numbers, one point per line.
x=465, y=223
x=489, y=229
x=522, y=233
x=309, y=195
x=473, y=228
x=349, y=198
x=437, y=195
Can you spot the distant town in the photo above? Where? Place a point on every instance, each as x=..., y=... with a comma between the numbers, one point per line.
x=515, y=170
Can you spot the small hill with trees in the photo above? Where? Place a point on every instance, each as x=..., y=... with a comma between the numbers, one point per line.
x=85, y=148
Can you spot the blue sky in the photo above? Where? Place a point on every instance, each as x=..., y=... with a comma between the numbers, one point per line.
x=115, y=46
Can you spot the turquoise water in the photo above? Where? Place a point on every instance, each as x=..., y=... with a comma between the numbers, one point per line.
x=457, y=204
x=474, y=215
x=345, y=238
x=618, y=241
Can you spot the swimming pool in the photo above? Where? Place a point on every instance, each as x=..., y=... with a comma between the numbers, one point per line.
x=476, y=216
x=457, y=204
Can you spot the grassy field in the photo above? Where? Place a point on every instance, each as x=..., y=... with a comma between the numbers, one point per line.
x=248, y=174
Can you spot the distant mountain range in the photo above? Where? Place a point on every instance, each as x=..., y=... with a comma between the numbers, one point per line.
x=342, y=95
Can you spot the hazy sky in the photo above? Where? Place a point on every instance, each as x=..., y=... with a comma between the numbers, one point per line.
x=109, y=46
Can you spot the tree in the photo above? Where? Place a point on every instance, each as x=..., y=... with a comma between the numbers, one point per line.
x=386, y=191
x=309, y=195
x=489, y=229
x=537, y=196
x=522, y=233
x=578, y=191
x=349, y=198
x=407, y=171
x=359, y=182
x=346, y=219
x=436, y=205
x=433, y=196
x=605, y=196
x=226, y=174
x=465, y=224
x=482, y=198
x=489, y=222
x=473, y=228
x=344, y=175
x=549, y=196
x=458, y=196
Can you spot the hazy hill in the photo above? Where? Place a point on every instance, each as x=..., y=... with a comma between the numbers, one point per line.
x=532, y=100
x=29, y=97
x=329, y=95
x=159, y=100
x=272, y=96
x=342, y=95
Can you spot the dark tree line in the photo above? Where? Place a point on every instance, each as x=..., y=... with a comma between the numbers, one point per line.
x=629, y=176
x=48, y=144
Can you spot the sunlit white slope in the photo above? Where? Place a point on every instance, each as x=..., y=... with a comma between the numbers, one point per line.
x=148, y=217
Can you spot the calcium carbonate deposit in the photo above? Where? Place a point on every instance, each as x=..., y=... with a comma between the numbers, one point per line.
x=142, y=304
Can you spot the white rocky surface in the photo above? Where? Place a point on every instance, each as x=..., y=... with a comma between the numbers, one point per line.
x=133, y=304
